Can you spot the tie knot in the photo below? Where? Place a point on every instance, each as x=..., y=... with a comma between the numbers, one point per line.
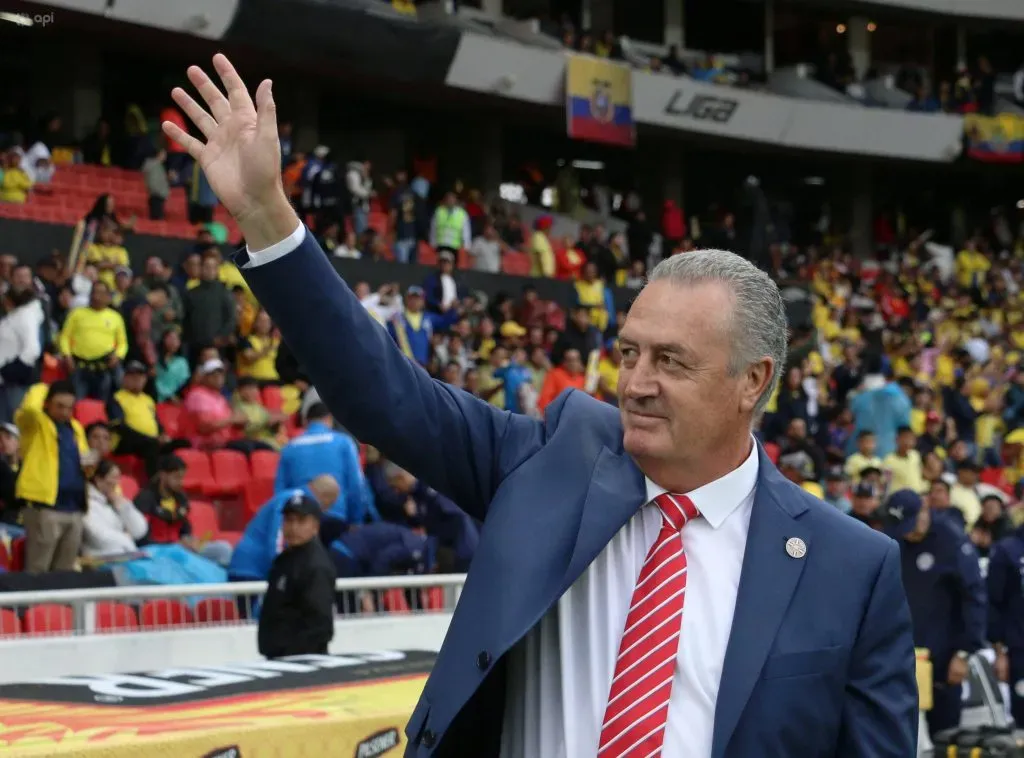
x=676, y=509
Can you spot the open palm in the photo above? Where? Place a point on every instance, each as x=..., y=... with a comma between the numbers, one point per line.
x=241, y=156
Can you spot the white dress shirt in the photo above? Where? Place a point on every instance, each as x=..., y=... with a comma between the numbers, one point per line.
x=559, y=675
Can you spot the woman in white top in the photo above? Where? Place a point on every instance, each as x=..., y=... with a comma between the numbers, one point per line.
x=112, y=523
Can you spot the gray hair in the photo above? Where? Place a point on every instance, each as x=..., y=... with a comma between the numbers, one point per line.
x=758, y=319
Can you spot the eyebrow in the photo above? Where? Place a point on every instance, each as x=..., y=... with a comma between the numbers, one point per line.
x=661, y=347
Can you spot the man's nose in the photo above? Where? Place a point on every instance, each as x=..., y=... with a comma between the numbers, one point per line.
x=640, y=383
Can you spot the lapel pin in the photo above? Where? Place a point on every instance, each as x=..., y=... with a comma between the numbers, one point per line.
x=796, y=547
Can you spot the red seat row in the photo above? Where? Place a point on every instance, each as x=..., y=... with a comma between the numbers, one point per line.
x=225, y=472
x=49, y=619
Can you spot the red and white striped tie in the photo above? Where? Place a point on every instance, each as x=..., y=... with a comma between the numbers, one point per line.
x=637, y=710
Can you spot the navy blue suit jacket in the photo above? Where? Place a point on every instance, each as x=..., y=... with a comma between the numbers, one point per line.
x=820, y=660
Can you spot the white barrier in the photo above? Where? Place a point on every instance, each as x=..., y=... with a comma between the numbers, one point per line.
x=84, y=651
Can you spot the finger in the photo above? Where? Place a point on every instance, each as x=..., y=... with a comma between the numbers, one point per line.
x=266, y=111
x=212, y=96
x=238, y=95
x=204, y=121
x=190, y=143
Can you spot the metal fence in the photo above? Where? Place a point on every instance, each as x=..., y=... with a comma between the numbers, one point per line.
x=112, y=610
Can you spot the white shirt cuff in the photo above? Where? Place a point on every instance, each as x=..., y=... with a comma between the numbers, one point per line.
x=277, y=250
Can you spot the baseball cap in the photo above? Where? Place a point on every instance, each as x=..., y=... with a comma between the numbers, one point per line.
x=135, y=367
x=302, y=504
x=512, y=329
x=901, y=511
x=210, y=366
x=835, y=474
x=414, y=290
x=869, y=470
x=932, y=416
x=446, y=255
x=864, y=489
x=11, y=429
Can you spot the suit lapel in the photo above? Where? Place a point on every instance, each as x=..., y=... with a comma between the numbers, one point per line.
x=767, y=582
x=617, y=490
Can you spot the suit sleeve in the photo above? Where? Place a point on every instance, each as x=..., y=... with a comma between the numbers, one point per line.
x=880, y=712
x=457, y=443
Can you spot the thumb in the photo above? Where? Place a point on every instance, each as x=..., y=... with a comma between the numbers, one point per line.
x=266, y=111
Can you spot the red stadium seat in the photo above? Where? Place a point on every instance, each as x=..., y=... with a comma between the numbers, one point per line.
x=88, y=411
x=198, y=472
x=10, y=624
x=203, y=518
x=232, y=538
x=129, y=486
x=433, y=598
x=394, y=600
x=264, y=464
x=5, y=556
x=18, y=554
x=49, y=618
x=772, y=451
x=230, y=471
x=130, y=465
x=169, y=416
x=216, y=609
x=257, y=492
x=116, y=617
x=163, y=614
x=272, y=399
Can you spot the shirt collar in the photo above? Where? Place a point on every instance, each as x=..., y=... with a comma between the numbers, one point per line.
x=716, y=500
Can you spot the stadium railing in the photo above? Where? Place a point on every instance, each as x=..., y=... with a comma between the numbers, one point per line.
x=171, y=607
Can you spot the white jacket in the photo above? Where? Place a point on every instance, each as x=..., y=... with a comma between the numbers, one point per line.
x=20, y=332
x=111, y=528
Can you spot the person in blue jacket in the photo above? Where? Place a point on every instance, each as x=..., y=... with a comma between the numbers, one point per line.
x=262, y=540
x=946, y=592
x=381, y=549
x=321, y=450
x=1006, y=615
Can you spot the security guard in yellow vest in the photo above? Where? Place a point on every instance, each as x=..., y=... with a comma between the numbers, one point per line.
x=450, y=229
x=51, y=481
x=133, y=418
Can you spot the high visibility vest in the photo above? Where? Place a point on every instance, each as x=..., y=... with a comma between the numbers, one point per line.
x=449, y=225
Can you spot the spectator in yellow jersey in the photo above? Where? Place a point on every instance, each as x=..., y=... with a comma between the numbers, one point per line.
x=608, y=374
x=903, y=465
x=133, y=419
x=971, y=266
x=94, y=342
x=591, y=293
x=107, y=253
x=15, y=184
x=257, y=356
x=542, y=257
x=864, y=457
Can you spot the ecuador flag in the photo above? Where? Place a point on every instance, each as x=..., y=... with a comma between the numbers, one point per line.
x=599, y=100
x=997, y=139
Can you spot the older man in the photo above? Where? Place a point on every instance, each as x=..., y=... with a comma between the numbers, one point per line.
x=570, y=638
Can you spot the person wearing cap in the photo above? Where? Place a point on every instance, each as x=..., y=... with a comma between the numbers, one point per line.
x=297, y=615
x=577, y=506
x=441, y=288
x=864, y=507
x=261, y=541
x=934, y=437
x=133, y=419
x=210, y=415
x=94, y=341
x=1005, y=585
x=946, y=592
x=836, y=490
x=414, y=328
x=450, y=228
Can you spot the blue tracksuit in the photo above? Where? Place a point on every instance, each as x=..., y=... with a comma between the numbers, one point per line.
x=1006, y=610
x=262, y=540
x=321, y=450
x=948, y=608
